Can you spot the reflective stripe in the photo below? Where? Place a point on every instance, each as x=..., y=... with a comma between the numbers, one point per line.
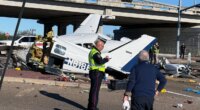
x=93, y=65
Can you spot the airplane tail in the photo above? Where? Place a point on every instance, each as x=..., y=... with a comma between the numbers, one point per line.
x=125, y=57
x=89, y=25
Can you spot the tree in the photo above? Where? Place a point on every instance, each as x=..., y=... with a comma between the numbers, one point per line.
x=26, y=32
x=2, y=36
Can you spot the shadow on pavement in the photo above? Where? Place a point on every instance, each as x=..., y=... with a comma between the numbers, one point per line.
x=60, y=98
x=56, y=109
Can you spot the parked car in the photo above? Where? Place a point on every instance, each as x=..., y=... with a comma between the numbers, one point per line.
x=22, y=42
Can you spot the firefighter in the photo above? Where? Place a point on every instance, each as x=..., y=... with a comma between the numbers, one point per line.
x=48, y=44
x=96, y=72
x=36, y=49
x=50, y=34
x=155, y=50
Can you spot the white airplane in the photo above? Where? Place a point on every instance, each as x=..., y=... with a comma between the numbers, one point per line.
x=71, y=51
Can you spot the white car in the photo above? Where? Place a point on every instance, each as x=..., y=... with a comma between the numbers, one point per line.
x=22, y=42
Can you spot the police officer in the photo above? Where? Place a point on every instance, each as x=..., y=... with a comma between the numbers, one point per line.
x=96, y=73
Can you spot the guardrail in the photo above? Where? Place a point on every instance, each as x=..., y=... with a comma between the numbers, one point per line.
x=146, y=5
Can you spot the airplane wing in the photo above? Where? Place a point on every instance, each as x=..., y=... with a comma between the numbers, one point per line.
x=123, y=58
x=89, y=25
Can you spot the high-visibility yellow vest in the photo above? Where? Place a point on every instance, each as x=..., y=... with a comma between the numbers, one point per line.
x=93, y=64
x=155, y=50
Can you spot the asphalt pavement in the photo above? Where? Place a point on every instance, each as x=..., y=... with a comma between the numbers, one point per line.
x=28, y=90
x=23, y=96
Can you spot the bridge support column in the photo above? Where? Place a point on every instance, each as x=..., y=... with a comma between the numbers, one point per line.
x=47, y=28
x=62, y=29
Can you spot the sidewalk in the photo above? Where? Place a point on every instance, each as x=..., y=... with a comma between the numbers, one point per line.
x=32, y=77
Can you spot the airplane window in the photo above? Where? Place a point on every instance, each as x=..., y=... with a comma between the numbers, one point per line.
x=79, y=44
x=60, y=49
x=88, y=45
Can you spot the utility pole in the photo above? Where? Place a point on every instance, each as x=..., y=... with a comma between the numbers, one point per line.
x=11, y=47
x=178, y=30
x=194, y=7
x=32, y=31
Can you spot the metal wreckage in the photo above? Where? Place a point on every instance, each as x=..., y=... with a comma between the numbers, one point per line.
x=69, y=53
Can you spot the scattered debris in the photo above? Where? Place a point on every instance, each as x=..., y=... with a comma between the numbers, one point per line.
x=175, y=69
x=84, y=91
x=63, y=79
x=189, y=102
x=198, y=87
x=179, y=105
x=192, y=90
x=192, y=81
x=188, y=89
x=197, y=60
x=35, y=96
x=18, y=69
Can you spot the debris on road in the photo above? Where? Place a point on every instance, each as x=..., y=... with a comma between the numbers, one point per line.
x=17, y=87
x=84, y=91
x=198, y=87
x=35, y=96
x=189, y=102
x=191, y=81
x=192, y=90
x=63, y=78
x=18, y=69
x=179, y=105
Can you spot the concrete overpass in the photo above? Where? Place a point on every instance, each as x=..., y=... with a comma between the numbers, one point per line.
x=149, y=17
x=55, y=11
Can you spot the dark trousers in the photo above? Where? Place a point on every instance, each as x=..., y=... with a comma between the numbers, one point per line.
x=182, y=54
x=155, y=58
x=142, y=103
x=96, y=79
x=151, y=58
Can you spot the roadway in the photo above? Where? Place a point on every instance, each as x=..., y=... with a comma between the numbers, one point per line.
x=20, y=96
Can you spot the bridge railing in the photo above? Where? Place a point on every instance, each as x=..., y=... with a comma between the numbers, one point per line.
x=147, y=5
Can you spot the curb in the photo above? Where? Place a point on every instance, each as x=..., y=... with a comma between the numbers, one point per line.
x=50, y=82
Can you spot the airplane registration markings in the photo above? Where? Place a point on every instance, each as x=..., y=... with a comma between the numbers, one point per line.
x=76, y=64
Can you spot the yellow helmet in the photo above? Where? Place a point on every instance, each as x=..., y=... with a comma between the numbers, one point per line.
x=37, y=37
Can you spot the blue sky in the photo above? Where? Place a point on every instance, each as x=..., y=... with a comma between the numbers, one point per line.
x=8, y=24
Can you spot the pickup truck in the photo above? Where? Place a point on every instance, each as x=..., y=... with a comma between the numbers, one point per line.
x=22, y=42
